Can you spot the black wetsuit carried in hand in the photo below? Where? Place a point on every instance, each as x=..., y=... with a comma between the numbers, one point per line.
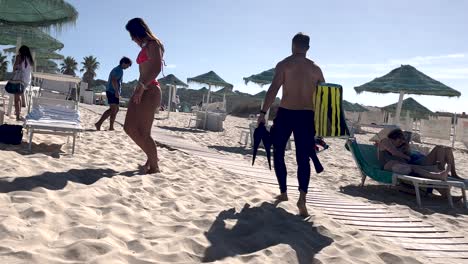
x=301, y=123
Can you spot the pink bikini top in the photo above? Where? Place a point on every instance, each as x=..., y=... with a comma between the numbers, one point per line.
x=142, y=57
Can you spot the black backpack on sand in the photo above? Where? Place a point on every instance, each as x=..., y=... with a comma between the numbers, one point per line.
x=11, y=134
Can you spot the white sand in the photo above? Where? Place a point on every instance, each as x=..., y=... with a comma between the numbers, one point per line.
x=94, y=207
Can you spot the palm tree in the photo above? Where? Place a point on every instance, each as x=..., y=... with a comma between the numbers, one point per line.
x=90, y=65
x=69, y=66
x=3, y=65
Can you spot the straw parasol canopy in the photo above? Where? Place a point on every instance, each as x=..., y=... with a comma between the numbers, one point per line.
x=37, y=13
x=211, y=79
x=31, y=37
x=406, y=80
x=350, y=107
x=46, y=63
x=263, y=78
x=171, y=79
x=40, y=54
x=416, y=109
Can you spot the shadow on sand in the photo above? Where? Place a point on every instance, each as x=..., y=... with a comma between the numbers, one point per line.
x=259, y=228
x=182, y=129
x=55, y=180
x=404, y=196
x=52, y=150
x=238, y=150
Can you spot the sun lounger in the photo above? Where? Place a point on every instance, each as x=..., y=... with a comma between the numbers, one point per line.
x=462, y=130
x=53, y=112
x=365, y=157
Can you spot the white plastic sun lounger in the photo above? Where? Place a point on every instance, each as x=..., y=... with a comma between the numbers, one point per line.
x=365, y=156
x=430, y=183
x=52, y=111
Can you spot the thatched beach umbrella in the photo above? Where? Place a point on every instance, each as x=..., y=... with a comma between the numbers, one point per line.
x=41, y=54
x=406, y=80
x=211, y=79
x=171, y=82
x=416, y=109
x=37, y=13
x=263, y=78
x=350, y=107
x=46, y=63
x=32, y=37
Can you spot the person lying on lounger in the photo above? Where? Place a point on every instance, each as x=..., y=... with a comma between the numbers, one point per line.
x=394, y=155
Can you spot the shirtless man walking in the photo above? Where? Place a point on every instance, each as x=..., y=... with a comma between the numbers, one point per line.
x=299, y=77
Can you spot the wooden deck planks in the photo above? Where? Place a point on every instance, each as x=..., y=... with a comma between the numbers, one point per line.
x=412, y=234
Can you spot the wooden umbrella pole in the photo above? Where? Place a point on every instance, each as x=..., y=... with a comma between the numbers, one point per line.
x=455, y=121
x=206, y=108
x=398, y=110
x=169, y=101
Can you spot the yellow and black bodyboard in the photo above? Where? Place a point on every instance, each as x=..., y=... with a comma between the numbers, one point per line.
x=329, y=114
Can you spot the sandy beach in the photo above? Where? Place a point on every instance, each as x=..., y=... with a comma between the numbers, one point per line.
x=95, y=207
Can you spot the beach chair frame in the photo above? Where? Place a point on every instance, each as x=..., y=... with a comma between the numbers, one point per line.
x=417, y=182
x=70, y=101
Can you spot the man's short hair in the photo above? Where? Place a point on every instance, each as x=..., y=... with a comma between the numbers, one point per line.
x=301, y=40
x=126, y=61
x=396, y=134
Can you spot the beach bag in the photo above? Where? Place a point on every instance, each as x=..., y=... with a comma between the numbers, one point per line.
x=15, y=85
x=11, y=134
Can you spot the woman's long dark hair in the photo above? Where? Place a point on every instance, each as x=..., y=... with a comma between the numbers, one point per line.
x=140, y=30
x=24, y=54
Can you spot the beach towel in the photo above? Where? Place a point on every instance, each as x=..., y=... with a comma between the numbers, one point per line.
x=329, y=113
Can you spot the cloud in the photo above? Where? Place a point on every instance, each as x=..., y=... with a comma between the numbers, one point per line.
x=171, y=66
x=447, y=72
x=415, y=61
x=349, y=75
x=426, y=60
x=448, y=66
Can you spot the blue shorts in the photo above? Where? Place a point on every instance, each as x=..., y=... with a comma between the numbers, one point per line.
x=111, y=98
x=417, y=158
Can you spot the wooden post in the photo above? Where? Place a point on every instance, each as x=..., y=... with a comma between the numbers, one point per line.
x=398, y=110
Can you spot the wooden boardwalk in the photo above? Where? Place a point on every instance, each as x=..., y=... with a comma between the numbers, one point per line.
x=413, y=234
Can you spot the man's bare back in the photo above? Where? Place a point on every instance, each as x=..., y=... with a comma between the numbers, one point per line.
x=300, y=79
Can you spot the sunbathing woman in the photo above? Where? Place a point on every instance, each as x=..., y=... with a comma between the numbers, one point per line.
x=394, y=155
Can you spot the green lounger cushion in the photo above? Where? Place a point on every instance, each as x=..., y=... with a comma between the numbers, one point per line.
x=366, y=156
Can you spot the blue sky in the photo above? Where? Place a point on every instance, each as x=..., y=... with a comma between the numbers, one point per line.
x=353, y=41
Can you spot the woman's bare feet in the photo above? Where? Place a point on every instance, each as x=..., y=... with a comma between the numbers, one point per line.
x=153, y=170
x=443, y=174
x=148, y=169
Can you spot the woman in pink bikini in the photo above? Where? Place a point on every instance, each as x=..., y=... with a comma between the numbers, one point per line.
x=146, y=97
